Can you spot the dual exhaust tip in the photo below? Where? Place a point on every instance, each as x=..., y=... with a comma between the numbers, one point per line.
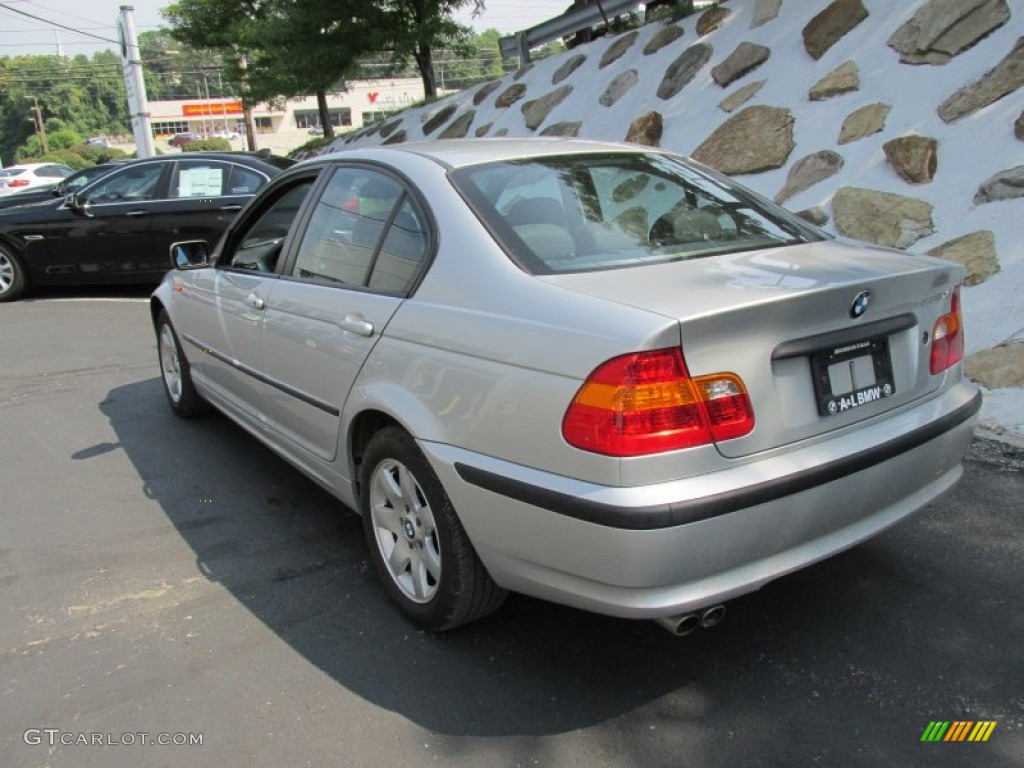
x=686, y=623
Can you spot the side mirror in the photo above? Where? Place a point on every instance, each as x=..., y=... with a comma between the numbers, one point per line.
x=77, y=204
x=191, y=254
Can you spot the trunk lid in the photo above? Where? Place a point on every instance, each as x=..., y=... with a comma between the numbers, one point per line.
x=783, y=320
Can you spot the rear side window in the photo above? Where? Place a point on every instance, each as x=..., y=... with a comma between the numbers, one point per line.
x=214, y=179
x=244, y=181
x=364, y=232
x=402, y=252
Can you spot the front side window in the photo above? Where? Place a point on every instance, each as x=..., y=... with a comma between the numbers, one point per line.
x=258, y=245
x=584, y=213
x=133, y=184
x=84, y=177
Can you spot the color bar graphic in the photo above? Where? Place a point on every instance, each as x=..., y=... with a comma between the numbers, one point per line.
x=958, y=730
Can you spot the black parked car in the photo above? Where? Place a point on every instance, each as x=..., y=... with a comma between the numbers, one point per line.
x=119, y=227
x=61, y=188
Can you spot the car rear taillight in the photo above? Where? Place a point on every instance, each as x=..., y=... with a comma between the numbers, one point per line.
x=647, y=403
x=948, y=337
x=17, y=183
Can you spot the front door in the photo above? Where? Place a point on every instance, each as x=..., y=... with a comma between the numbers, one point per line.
x=223, y=307
x=110, y=233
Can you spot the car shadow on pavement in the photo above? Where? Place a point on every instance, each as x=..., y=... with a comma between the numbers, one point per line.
x=842, y=640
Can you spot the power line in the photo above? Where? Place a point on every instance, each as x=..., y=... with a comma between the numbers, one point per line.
x=40, y=6
x=62, y=26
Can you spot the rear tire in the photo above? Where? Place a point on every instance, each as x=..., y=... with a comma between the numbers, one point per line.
x=12, y=275
x=175, y=372
x=417, y=544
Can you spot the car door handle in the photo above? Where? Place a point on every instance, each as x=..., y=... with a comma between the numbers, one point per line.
x=254, y=301
x=231, y=207
x=356, y=323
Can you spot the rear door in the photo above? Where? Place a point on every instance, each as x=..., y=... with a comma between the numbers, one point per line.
x=361, y=252
x=203, y=198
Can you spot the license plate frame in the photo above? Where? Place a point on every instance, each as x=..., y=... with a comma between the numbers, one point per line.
x=868, y=358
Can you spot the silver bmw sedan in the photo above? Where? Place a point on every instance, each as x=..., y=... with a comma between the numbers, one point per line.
x=595, y=373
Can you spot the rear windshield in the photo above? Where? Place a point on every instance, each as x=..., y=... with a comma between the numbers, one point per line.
x=583, y=213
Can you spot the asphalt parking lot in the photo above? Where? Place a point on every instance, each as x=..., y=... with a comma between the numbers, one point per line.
x=162, y=578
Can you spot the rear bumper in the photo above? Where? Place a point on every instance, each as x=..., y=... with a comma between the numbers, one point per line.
x=659, y=550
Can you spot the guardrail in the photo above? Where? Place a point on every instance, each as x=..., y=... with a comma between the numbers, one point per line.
x=569, y=22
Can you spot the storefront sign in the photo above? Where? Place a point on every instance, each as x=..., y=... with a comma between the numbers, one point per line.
x=212, y=109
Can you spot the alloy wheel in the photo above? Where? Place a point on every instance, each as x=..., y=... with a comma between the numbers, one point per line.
x=6, y=272
x=404, y=531
x=170, y=364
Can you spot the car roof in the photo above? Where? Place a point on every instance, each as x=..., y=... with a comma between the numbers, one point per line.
x=458, y=153
x=15, y=169
x=246, y=158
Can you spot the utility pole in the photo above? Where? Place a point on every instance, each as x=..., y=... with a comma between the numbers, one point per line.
x=135, y=85
x=37, y=117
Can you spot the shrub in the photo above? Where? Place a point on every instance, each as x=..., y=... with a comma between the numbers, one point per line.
x=68, y=158
x=96, y=155
x=207, y=145
x=32, y=148
x=88, y=151
x=62, y=140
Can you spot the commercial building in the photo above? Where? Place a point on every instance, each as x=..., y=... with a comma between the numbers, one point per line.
x=364, y=102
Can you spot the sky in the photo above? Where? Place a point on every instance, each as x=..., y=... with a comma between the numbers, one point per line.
x=84, y=21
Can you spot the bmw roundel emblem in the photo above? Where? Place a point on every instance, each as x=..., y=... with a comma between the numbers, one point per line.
x=860, y=304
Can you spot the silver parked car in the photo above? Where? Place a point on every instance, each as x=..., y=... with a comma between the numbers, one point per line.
x=595, y=373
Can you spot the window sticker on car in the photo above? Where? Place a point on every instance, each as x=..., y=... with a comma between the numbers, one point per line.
x=200, y=182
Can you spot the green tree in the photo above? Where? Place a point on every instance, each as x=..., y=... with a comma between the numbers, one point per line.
x=223, y=28
x=416, y=28
x=82, y=95
x=311, y=46
x=277, y=49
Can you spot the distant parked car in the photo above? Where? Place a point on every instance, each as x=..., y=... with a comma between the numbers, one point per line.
x=594, y=373
x=226, y=134
x=119, y=227
x=65, y=186
x=22, y=177
x=316, y=130
x=99, y=141
x=180, y=139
